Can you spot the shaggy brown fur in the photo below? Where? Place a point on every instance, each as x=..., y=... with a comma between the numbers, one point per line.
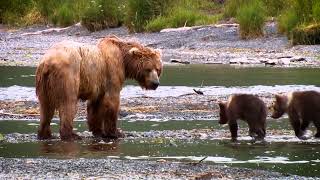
x=245, y=107
x=302, y=107
x=70, y=71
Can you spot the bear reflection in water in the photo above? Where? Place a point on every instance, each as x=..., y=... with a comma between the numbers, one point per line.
x=73, y=149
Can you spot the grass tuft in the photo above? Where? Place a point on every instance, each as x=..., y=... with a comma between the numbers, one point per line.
x=251, y=18
x=101, y=14
x=306, y=34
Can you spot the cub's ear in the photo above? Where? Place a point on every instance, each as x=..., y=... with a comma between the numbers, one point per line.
x=278, y=97
x=221, y=105
x=134, y=51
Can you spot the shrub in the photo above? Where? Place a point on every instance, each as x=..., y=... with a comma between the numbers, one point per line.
x=32, y=17
x=12, y=11
x=183, y=13
x=316, y=11
x=275, y=7
x=251, y=18
x=64, y=16
x=306, y=34
x=157, y=24
x=140, y=12
x=287, y=21
x=101, y=14
x=232, y=6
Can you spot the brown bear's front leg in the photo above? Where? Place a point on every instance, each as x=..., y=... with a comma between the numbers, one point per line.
x=234, y=131
x=317, y=125
x=110, y=129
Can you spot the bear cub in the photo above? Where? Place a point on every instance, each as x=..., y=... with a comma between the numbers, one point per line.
x=302, y=107
x=248, y=108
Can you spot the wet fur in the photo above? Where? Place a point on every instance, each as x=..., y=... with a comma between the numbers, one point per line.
x=70, y=71
x=302, y=107
x=245, y=107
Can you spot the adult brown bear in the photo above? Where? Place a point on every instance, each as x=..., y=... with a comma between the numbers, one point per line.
x=70, y=71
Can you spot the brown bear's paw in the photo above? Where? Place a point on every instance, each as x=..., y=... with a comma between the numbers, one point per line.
x=44, y=135
x=117, y=134
x=70, y=137
x=317, y=135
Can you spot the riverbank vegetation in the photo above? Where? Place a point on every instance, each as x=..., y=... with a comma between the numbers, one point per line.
x=298, y=19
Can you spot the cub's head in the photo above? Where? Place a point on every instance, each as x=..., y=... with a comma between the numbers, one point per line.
x=279, y=106
x=145, y=66
x=223, y=113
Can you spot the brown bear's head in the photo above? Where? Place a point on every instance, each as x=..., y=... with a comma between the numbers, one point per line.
x=279, y=106
x=223, y=113
x=145, y=66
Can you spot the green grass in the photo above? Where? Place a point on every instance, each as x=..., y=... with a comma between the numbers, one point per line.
x=184, y=13
x=300, y=21
x=251, y=18
x=306, y=34
x=287, y=21
x=101, y=14
x=316, y=11
x=232, y=6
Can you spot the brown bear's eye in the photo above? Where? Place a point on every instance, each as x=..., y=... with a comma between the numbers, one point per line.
x=148, y=70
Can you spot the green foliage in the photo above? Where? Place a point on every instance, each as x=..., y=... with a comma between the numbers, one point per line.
x=183, y=13
x=287, y=21
x=275, y=7
x=64, y=16
x=158, y=24
x=232, y=6
x=139, y=12
x=251, y=18
x=296, y=16
x=12, y=11
x=101, y=14
x=316, y=11
x=306, y=34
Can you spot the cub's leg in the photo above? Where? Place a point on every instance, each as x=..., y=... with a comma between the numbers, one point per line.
x=234, y=130
x=317, y=125
x=295, y=123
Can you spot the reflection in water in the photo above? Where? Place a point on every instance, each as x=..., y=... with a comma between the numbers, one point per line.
x=64, y=149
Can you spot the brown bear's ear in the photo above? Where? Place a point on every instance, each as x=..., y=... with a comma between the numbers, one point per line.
x=134, y=51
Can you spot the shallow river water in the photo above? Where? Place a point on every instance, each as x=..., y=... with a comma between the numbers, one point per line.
x=283, y=153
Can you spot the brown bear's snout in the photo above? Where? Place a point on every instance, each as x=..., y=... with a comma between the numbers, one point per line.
x=155, y=84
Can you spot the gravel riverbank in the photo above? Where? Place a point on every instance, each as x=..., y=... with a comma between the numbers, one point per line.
x=41, y=168
x=215, y=44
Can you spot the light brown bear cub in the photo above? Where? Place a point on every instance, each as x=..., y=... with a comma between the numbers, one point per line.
x=302, y=107
x=248, y=108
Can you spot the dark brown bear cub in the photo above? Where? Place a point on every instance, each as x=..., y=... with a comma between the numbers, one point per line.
x=302, y=107
x=245, y=107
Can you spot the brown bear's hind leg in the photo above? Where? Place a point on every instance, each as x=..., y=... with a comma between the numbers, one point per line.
x=67, y=112
x=46, y=114
x=94, y=118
